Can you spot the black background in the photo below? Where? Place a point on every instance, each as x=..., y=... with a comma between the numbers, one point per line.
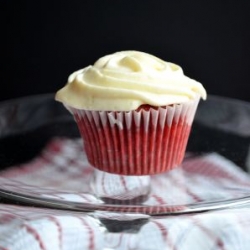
x=42, y=42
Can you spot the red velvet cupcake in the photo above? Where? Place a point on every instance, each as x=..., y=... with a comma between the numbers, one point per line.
x=134, y=112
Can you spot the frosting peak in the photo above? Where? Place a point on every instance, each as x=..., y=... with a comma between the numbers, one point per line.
x=134, y=61
x=125, y=80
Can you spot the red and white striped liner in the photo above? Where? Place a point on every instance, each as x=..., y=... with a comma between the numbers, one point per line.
x=142, y=142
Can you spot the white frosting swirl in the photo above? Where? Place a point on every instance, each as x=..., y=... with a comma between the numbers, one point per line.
x=125, y=80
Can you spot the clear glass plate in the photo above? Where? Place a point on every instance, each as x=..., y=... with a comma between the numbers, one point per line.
x=43, y=163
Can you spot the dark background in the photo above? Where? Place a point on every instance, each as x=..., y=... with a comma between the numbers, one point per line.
x=42, y=42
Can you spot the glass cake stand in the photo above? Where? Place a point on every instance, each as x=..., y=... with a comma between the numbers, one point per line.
x=43, y=163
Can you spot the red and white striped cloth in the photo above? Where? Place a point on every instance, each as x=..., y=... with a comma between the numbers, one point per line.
x=62, y=172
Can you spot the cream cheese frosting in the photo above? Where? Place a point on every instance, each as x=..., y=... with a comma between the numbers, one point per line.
x=125, y=80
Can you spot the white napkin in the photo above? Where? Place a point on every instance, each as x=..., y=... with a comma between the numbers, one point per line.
x=62, y=166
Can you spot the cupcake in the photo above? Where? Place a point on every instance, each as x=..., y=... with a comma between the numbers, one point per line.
x=134, y=112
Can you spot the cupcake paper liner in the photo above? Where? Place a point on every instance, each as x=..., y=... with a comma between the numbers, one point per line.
x=141, y=142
